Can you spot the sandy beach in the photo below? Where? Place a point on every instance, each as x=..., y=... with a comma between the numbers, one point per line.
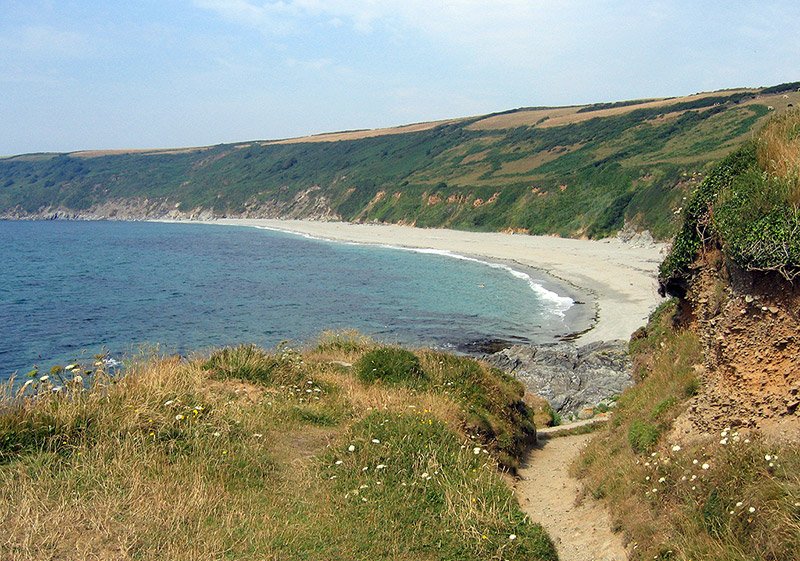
x=617, y=279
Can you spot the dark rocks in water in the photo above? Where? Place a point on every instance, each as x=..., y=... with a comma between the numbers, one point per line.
x=571, y=378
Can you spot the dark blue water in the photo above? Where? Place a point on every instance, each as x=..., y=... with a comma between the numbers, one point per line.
x=73, y=287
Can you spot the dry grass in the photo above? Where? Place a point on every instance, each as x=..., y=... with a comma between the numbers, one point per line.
x=778, y=150
x=187, y=460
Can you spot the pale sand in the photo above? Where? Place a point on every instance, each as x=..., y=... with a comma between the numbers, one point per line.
x=620, y=278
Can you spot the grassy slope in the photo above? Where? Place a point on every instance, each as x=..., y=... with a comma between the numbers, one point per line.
x=570, y=171
x=247, y=454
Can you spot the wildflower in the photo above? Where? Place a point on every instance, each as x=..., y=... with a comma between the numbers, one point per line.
x=26, y=384
x=57, y=389
x=425, y=475
x=655, y=490
x=768, y=457
x=351, y=448
x=338, y=462
x=257, y=435
x=44, y=378
x=476, y=450
x=739, y=504
x=705, y=466
x=216, y=434
x=376, y=441
x=695, y=462
x=365, y=468
x=178, y=417
x=512, y=537
x=364, y=499
x=724, y=441
x=751, y=510
x=662, y=480
x=71, y=367
x=676, y=448
x=168, y=403
x=380, y=466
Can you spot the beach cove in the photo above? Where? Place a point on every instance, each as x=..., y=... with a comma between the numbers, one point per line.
x=617, y=278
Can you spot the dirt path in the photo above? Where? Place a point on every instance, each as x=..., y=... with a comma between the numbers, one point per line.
x=548, y=494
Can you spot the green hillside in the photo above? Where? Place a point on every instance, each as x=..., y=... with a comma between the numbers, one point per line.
x=572, y=171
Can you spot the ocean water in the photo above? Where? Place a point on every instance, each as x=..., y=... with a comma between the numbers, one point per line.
x=71, y=289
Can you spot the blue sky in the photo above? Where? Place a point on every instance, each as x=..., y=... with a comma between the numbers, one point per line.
x=80, y=75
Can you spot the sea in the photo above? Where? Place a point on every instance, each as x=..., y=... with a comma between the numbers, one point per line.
x=73, y=289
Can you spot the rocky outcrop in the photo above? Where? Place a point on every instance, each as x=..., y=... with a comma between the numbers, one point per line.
x=571, y=378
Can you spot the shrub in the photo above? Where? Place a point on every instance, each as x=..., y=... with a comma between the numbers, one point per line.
x=391, y=365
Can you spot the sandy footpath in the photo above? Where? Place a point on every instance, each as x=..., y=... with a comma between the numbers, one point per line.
x=618, y=277
x=546, y=492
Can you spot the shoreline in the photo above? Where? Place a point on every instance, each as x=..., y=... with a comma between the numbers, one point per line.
x=612, y=282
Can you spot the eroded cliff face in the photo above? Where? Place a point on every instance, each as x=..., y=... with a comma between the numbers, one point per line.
x=749, y=324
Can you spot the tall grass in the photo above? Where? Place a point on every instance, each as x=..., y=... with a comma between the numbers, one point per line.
x=249, y=454
x=778, y=150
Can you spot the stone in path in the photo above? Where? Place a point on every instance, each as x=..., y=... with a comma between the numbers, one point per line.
x=548, y=495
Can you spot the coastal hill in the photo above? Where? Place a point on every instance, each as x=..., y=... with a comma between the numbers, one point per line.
x=581, y=171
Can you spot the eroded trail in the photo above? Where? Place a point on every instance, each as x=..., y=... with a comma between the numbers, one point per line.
x=548, y=494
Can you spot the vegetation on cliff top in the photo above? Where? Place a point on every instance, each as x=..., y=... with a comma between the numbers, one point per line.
x=581, y=171
x=249, y=454
x=748, y=206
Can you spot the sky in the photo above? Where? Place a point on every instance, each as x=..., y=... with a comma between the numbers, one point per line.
x=107, y=74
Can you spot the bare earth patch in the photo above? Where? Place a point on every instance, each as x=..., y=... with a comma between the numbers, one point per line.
x=579, y=526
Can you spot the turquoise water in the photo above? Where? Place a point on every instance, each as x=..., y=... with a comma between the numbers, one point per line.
x=72, y=287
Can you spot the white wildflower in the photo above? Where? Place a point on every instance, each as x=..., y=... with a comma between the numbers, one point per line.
x=512, y=537
x=376, y=441
x=380, y=466
x=351, y=448
x=751, y=509
x=44, y=378
x=168, y=403
x=768, y=457
x=338, y=462
x=178, y=417
x=705, y=466
x=476, y=450
x=676, y=448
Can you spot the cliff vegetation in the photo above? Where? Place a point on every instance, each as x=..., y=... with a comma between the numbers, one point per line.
x=701, y=459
